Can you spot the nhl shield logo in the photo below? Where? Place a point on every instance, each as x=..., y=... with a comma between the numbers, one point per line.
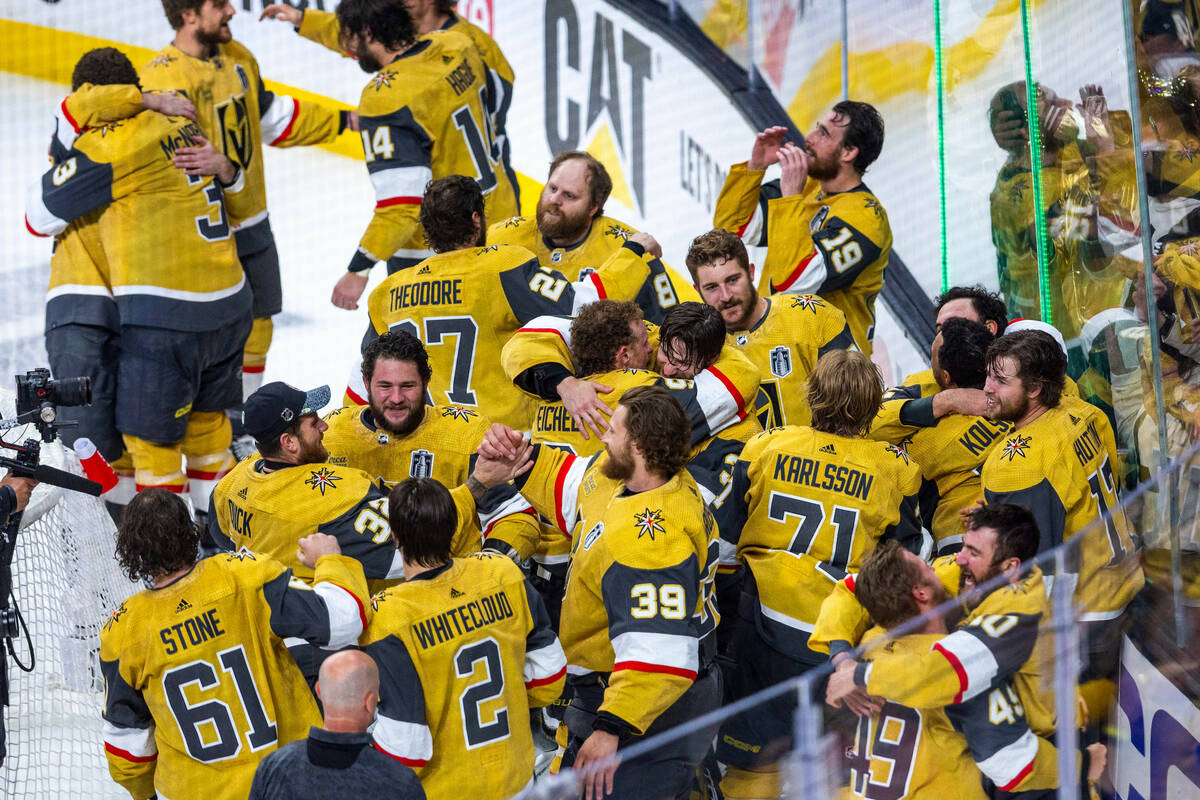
x=781, y=361
x=421, y=465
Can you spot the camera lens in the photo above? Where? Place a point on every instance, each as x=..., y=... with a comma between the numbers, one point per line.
x=72, y=391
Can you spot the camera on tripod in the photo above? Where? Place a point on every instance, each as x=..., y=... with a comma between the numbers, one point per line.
x=38, y=392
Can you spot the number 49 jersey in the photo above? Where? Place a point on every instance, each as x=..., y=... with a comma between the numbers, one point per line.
x=423, y=117
x=464, y=651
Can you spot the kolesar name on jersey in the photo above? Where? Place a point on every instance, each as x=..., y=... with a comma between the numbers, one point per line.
x=192, y=632
x=979, y=437
x=470, y=616
x=818, y=475
x=425, y=293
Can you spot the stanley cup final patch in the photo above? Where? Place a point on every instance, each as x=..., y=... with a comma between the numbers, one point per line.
x=421, y=465
x=781, y=361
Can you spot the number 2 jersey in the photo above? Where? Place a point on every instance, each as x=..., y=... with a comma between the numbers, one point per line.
x=171, y=258
x=464, y=651
x=198, y=684
x=804, y=508
x=1062, y=468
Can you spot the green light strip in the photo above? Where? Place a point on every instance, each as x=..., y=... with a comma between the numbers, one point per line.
x=941, y=139
x=1035, y=154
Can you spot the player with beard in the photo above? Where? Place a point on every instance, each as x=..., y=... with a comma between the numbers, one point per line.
x=571, y=233
x=638, y=617
x=987, y=673
x=1059, y=461
x=399, y=436
x=825, y=232
x=782, y=336
x=239, y=114
x=422, y=116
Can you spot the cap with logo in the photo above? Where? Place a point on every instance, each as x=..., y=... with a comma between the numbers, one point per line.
x=272, y=408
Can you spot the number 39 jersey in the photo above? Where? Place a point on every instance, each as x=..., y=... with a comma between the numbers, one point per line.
x=1062, y=467
x=464, y=650
x=465, y=304
x=199, y=686
x=803, y=508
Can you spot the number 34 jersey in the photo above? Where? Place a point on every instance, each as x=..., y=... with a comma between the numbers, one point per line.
x=464, y=650
x=198, y=684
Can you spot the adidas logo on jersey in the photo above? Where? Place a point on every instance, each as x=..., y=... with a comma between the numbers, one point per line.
x=184, y=605
x=455, y=592
x=423, y=270
x=1074, y=419
x=828, y=450
x=243, y=493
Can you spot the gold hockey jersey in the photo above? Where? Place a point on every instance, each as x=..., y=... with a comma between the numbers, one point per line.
x=421, y=117
x=785, y=345
x=904, y=752
x=639, y=596
x=149, y=208
x=803, y=509
x=835, y=246
x=442, y=447
x=198, y=684
x=465, y=304
x=1061, y=467
x=464, y=651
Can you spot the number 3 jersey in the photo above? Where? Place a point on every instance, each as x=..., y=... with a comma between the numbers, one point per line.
x=198, y=684
x=171, y=256
x=638, y=598
x=803, y=508
x=464, y=650
x=1062, y=468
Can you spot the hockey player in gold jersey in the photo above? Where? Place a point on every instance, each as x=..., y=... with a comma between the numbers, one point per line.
x=638, y=617
x=950, y=448
x=199, y=686
x=804, y=507
x=398, y=436
x=422, y=116
x=184, y=318
x=825, y=232
x=239, y=114
x=464, y=649
x=1059, y=461
x=468, y=299
x=782, y=336
x=571, y=234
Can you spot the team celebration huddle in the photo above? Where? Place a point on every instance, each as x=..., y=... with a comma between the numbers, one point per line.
x=570, y=497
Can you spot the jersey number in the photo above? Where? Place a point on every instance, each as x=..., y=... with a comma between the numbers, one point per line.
x=465, y=332
x=894, y=744
x=844, y=253
x=372, y=521
x=1103, y=486
x=208, y=728
x=378, y=144
x=479, y=144
x=209, y=230
x=812, y=516
x=477, y=732
x=653, y=600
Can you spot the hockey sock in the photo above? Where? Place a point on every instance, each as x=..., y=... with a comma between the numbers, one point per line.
x=744, y=784
x=156, y=465
x=206, y=445
x=254, y=356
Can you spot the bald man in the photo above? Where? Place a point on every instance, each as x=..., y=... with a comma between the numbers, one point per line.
x=337, y=759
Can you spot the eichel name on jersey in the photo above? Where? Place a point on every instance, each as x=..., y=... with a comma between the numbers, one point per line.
x=178, y=661
x=464, y=650
x=323, y=28
x=803, y=508
x=839, y=254
x=442, y=447
x=785, y=346
x=1061, y=467
x=950, y=452
x=986, y=674
x=149, y=209
x=423, y=117
x=476, y=299
x=232, y=104
x=639, y=597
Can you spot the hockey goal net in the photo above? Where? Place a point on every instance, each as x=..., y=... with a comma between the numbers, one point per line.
x=66, y=582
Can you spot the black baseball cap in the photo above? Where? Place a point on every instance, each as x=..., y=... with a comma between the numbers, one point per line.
x=272, y=408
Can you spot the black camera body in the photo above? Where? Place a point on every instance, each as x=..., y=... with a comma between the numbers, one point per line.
x=38, y=392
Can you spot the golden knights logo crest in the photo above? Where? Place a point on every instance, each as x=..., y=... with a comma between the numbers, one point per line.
x=1016, y=446
x=617, y=232
x=781, y=361
x=808, y=302
x=458, y=412
x=421, y=464
x=233, y=120
x=115, y=617
x=161, y=60
x=382, y=80
x=322, y=479
x=649, y=523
